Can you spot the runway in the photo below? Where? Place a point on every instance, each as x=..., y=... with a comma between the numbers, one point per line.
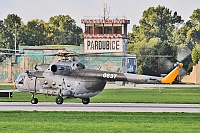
x=147, y=86
x=100, y=107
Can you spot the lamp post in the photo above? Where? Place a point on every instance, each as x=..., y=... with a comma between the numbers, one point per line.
x=15, y=39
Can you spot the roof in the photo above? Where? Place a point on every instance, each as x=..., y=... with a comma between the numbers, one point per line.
x=105, y=21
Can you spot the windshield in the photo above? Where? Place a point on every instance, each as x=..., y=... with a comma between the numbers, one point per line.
x=20, y=79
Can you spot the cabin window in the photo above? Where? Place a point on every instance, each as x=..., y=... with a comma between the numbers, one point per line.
x=45, y=82
x=20, y=79
x=68, y=85
x=53, y=83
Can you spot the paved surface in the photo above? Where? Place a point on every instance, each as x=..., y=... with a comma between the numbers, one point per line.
x=110, y=107
x=143, y=86
x=101, y=107
x=130, y=86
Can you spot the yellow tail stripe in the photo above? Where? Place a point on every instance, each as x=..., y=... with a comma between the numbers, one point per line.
x=172, y=75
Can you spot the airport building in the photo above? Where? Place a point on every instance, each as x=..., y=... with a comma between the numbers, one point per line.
x=109, y=36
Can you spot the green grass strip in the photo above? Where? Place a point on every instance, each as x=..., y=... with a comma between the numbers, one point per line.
x=90, y=122
x=167, y=95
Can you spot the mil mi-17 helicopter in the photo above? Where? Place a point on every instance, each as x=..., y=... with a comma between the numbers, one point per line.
x=68, y=79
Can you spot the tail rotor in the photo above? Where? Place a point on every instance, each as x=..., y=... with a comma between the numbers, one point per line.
x=182, y=54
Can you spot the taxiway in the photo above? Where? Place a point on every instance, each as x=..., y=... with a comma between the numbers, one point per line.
x=100, y=107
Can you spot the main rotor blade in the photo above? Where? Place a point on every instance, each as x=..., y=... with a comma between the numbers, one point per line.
x=5, y=49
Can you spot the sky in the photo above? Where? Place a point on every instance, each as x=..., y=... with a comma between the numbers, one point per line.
x=82, y=9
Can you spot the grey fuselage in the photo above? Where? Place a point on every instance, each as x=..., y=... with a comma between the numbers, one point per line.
x=72, y=79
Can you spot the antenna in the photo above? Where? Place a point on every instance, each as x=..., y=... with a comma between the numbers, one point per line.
x=105, y=11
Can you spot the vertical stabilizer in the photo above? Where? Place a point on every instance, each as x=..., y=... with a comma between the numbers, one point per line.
x=172, y=75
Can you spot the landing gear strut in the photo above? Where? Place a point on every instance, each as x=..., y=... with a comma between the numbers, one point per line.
x=59, y=100
x=86, y=100
x=34, y=100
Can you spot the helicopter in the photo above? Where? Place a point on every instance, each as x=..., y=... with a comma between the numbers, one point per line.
x=68, y=78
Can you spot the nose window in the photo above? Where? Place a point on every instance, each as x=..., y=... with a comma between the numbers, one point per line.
x=21, y=80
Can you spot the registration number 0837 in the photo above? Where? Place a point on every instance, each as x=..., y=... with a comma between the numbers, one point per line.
x=109, y=75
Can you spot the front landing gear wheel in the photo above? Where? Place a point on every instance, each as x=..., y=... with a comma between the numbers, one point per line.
x=59, y=100
x=34, y=100
x=86, y=100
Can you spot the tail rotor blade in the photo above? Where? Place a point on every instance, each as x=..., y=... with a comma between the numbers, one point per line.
x=165, y=65
x=182, y=72
x=183, y=53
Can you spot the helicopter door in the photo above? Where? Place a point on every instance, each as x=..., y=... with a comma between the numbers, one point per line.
x=32, y=85
x=20, y=82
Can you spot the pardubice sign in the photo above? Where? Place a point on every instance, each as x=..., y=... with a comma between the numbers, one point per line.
x=103, y=45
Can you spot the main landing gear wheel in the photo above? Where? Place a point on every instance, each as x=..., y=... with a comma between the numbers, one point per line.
x=86, y=100
x=34, y=100
x=59, y=100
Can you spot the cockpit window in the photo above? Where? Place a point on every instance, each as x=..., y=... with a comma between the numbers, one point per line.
x=80, y=65
x=20, y=79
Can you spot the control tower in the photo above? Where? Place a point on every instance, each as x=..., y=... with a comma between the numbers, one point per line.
x=106, y=35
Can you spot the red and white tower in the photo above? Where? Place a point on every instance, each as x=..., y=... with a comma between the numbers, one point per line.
x=105, y=34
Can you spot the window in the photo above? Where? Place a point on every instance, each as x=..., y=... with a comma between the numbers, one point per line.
x=21, y=80
x=88, y=30
x=53, y=83
x=98, y=29
x=117, y=30
x=108, y=30
x=45, y=82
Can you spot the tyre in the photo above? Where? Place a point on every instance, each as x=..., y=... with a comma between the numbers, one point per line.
x=86, y=100
x=59, y=100
x=34, y=100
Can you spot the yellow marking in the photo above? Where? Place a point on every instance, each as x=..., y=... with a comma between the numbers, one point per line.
x=14, y=85
x=10, y=95
x=172, y=75
x=140, y=77
x=64, y=52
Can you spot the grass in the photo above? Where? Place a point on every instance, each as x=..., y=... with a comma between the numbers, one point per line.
x=111, y=122
x=168, y=95
x=6, y=87
x=90, y=122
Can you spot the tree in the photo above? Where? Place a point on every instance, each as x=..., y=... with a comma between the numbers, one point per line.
x=64, y=30
x=159, y=22
x=4, y=40
x=194, y=34
x=196, y=54
x=189, y=32
x=154, y=37
x=37, y=32
x=12, y=24
x=195, y=17
x=147, y=61
x=180, y=35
